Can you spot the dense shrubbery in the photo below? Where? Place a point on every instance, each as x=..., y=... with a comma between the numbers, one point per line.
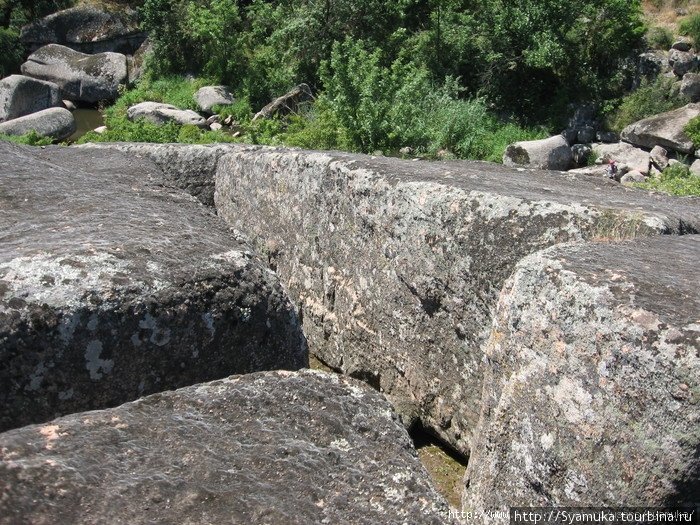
x=692, y=129
x=31, y=139
x=676, y=180
x=690, y=27
x=650, y=99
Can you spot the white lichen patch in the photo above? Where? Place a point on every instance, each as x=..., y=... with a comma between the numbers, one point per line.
x=95, y=365
x=573, y=400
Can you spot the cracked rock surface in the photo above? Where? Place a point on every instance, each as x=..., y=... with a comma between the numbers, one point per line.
x=266, y=448
x=114, y=285
x=397, y=265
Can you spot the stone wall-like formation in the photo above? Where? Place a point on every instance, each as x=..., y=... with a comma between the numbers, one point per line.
x=114, y=285
x=397, y=265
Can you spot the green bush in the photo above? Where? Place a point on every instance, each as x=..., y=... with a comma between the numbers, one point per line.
x=690, y=26
x=650, y=99
x=12, y=52
x=692, y=129
x=659, y=38
x=676, y=180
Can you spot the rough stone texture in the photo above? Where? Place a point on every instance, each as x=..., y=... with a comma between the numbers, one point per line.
x=287, y=103
x=88, y=29
x=159, y=113
x=690, y=86
x=547, y=154
x=136, y=62
x=580, y=153
x=210, y=96
x=56, y=123
x=268, y=448
x=81, y=77
x=113, y=286
x=592, y=388
x=683, y=44
x=623, y=153
x=396, y=264
x=695, y=168
x=632, y=177
x=607, y=137
x=665, y=129
x=659, y=156
x=682, y=62
x=20, y=96
x=188, y=167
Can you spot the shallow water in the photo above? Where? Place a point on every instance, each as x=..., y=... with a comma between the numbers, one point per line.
x=86, y=120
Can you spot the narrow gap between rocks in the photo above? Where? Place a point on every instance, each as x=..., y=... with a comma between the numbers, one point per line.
x=444, y=465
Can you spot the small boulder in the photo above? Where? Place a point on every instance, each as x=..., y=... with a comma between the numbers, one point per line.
x=666, y=129
x=622, y=153
x=287, y=103
x=683, y=44
x=585, y=135
x=100, y=130
x=55, y=123
x=158, y=113
x=695, y=168
x=632, y=177
x=215, y=126
x=20, y=96
x=608, y=137
x=659, y=157
x=210, y=96
x=581, y=152
x=651, y=64
x=682, y=62
x=553, y=153
x=690, y=86
x=81, y=77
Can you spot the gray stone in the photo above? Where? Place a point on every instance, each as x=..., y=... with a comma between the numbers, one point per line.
x=396, y=265
x=20, y=96
x=100, y=130
x=275, y=447
x=585, y=135
x=89, y=29
x=650, y=65
x=81, y=77
x=115, y=285
x=55, y=123
x=158, y=113
x=188, y=167
x=632, y=177
x=70, y=106
x=215, y=126
x=659, y=156
x=580, y=153
x=607, y=137
x=665, y=129
x=690, y=86
x=570, y=136
x=136, y=62
x=622, y=153
x=683, y=44
x=210, y=96
x=592, y=388
x=287, y=103
x=695, y=168
x=547, y=154
x=682, y=62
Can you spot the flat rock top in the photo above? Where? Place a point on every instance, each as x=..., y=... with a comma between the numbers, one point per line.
x=530, y=185
x=101, y=215
x=266, y=448
x=658, y=274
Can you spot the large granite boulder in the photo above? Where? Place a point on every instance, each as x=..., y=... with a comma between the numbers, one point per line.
x=553, y=153
x=276, y=448
x=87, y=28
x=159, y=113
x=210, y=96
x=55, y=123
x=81, y=77
x=624, y=154
x=397, y=265
x=114, y=285
x=287, y=103
x=665, y=129
x=20, y=96
x=592, y=387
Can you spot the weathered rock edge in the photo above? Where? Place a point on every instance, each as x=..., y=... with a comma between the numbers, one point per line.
x=397, y=265
x=272, y=447
x=592, y=383
x=186, y=166
x=114, y=285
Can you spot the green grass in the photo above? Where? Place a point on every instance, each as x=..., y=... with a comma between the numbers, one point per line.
x=675, y=180
x=32, y=139
x=692, y=129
